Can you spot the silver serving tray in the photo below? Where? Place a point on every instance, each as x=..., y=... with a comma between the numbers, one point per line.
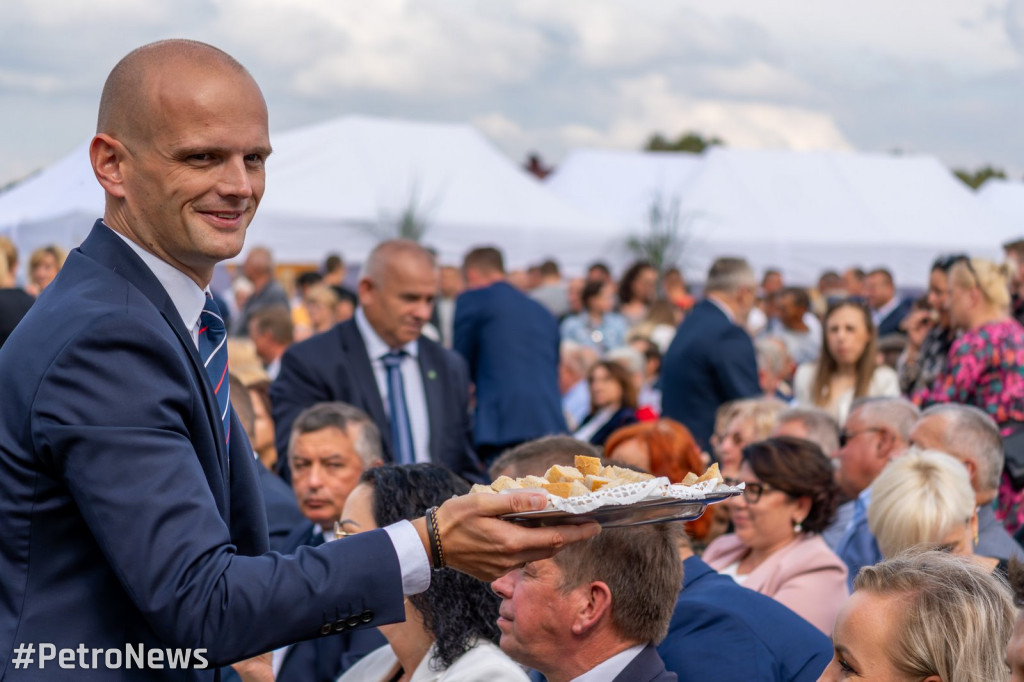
x=651, y=510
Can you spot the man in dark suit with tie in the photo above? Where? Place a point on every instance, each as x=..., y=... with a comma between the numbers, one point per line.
x=416, y=391
x=511, y=343
x=711, y=360
x=130, y=509
x=331, y=445
x=598, y=608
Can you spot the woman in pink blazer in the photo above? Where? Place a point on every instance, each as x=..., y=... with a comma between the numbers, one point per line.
x=776, y=549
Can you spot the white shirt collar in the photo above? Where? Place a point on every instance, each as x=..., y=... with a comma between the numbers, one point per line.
x=610, y=668
x=375, y=346
x=884, y=311
x=185, y=294
x=724, y=308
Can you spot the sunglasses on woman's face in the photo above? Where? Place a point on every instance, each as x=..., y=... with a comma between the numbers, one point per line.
x=752, y=491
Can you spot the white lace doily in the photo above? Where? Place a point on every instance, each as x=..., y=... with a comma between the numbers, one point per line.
x=636, y=492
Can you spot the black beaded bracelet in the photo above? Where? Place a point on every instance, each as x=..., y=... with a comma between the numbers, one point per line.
x=434, y=535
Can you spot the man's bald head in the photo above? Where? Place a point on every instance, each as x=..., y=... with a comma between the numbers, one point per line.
x=392, y=253
x=125, y=94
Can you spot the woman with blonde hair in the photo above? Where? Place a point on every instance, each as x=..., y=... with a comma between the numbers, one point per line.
x=927, y=616
x=749, y=420
x=986, y=368
x=847, y=367
x=924, y=500
x=43, y=266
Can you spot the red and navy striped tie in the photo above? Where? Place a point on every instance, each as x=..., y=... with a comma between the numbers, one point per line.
x=213, y=349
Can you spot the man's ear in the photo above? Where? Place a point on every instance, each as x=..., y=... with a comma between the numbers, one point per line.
x=593, y=605
x=106, y=155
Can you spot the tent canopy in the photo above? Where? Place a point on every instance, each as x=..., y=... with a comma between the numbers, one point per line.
x=805, y=212
x=344, y=185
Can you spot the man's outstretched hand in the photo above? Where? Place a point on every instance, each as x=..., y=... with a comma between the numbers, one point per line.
x=476, y=542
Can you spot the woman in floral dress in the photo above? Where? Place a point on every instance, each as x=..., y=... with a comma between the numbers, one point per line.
x=986, y=364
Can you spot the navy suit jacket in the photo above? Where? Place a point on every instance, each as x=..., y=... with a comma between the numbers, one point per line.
x=325, y=658
x=722, y=631
x=335, y=366
x=511, y=344
x=890, y=324
x=709, y=362
x=646, y=667
x=125, y=518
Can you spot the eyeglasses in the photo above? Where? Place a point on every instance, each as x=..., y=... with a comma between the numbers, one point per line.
x=718, y=441
x=340, y=532
x=752, y=491
x=845, y=436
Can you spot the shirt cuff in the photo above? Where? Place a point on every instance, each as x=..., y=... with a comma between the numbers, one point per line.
x=412, y=557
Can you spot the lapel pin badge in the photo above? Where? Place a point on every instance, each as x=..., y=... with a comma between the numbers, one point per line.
x=431, y=374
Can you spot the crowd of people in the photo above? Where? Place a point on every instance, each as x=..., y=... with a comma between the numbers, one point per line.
x=302, y=511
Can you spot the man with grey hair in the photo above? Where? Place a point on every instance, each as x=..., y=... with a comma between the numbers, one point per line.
x=774, y=366
x=971, y=435
x=416, y=391
x=331, y=445
x=810, y=423
x=711, y=359
x=876, y=431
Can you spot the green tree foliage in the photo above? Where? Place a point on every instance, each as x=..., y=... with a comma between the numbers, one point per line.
x=691, y=142
x=975, y=179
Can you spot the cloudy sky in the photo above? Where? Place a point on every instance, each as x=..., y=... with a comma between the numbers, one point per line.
x=945, y=78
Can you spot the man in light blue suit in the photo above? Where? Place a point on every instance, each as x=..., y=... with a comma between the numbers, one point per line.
x=130, y=508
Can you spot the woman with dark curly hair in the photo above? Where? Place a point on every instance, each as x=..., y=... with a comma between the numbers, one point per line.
x=450, y=631
x=638, y=289
x=777, y=549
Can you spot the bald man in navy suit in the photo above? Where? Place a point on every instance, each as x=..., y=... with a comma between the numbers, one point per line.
x=130, y=508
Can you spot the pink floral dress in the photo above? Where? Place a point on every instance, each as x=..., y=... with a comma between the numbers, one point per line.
x=986, y=369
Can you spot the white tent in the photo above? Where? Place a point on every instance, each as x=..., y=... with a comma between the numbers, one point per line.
x=1005, y=197
x=623, y=186
x=345, y=184
x=342, y=186
x=57, y=205
x=805, y=212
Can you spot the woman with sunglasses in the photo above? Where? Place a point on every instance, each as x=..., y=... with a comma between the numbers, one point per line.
x=986, y=364
x=450, y=631
x=848, y=366
x=777, y=549
x=929, y=331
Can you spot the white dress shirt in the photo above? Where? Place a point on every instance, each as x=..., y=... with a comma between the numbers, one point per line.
x=609, y=669
x=188, y=299
x=412, y=380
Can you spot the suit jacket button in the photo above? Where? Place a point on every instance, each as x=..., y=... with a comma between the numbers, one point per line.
x=367, y=616
x=339, y=625
x=353, y=621
x=325, y=629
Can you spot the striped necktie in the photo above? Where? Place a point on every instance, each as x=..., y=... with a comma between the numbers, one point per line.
x=213, y=350
x=401, y=434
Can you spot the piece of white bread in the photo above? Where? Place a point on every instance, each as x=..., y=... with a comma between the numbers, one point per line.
x=558, y=474
x=505, y=483
x=481, y=488
x=588, y=465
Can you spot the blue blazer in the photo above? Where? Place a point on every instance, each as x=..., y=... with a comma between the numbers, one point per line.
x=722, y=631
x=335, y=365
x=890, y=324
x=646, y=667
x=511, y=344
x=125, y=518
x=709, y=362
x=323, y=659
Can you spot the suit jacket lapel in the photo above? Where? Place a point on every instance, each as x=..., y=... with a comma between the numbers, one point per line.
x=434, y=394
x=359, y=365
x=107, y=248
